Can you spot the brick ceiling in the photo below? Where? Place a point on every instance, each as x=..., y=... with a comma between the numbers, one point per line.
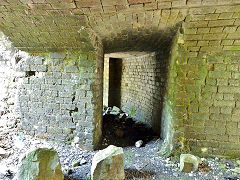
x=50, y=25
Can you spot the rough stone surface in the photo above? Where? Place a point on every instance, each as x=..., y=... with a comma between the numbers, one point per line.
x=139, y=143
x=52, y=94
x=115, y=110
x=41, y=163
x=108, y=164
x=201, y=100
x=2, y=152
x=188, y=163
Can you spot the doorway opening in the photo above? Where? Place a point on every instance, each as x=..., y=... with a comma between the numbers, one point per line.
x=131, y=97
x=115, y=77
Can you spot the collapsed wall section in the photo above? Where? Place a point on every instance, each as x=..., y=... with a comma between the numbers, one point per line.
x=9, y=78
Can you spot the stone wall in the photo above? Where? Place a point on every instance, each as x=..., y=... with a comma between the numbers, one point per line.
x=201, y=103
x=5, y=77
x=203, y=91
x=56, y=95
x=141, y=89
x=9, y=78
x=106, y=81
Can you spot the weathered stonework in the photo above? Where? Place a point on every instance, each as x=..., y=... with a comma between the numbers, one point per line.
x=200, y=104
x=55, y=94
x=143, y=89
x=141, y=86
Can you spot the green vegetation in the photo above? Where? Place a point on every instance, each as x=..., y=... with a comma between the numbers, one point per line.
x=133, y=111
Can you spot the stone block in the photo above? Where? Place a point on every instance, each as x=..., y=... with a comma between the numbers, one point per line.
x=70, y=69
x=63, y=5
x=191, y=37
x=220, y=117
x=227, y=42
x=108, y=164
x=41, y=68
x=65, y=94
x=41, y=163
x=38, y=61
x=218, y=36
x=233, y=35
x=230, y=29
x=55, y=55
x=221, y=23
x=224, y=103
x=197, y=24
x=203, y=30
x=211, y=16
x=188, y=163
x=223, y=75
x=226, y=15
x=138, y=1
x=190, y=31
x=179, y=3
x=88, y=3
x=231, y=48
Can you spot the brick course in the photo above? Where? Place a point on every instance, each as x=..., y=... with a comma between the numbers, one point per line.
x=142, y=89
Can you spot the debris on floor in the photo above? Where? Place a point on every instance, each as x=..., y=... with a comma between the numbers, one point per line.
x=120, y=129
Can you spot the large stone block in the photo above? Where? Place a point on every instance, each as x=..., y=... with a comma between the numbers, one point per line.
x=41, y=163
x=108, y=164
x=188, y=163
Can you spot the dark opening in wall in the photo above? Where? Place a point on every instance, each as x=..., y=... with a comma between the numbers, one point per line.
x=115, y=76
x=30, y=73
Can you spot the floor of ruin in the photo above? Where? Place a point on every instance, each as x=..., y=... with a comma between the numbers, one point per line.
x=140, y=163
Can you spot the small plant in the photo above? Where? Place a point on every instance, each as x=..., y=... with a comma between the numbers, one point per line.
x=133, y=111
x=88, y=178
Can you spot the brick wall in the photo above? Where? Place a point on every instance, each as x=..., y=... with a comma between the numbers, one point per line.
x=203, y=88
x=141, y=89
x=9, y=78
x=202, y=81
x=57, y=95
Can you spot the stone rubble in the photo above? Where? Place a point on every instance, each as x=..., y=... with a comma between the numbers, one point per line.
x=108, y=164
x=122, y=130
x=2, y=152
x=42, y=163
x=139, y=143
x=188, y=163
